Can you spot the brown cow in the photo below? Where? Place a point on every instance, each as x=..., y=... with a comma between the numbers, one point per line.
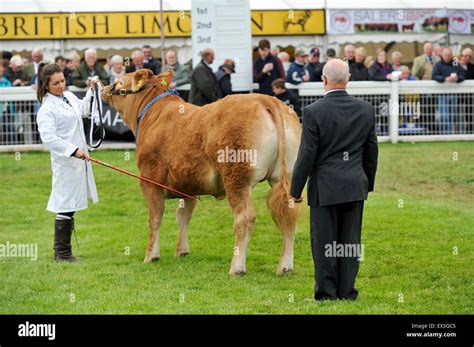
x=189, y=148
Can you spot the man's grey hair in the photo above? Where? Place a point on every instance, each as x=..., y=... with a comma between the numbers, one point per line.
x=348, y=47
x=116, y=59
x=172, y=51
x=396, y=54
x=336, y=71
x=90, y=51
x=37, y=50
x=73, y=56
x=137, y=53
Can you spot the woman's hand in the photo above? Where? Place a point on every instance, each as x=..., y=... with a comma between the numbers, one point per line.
x=80, y=154
x=94, y=83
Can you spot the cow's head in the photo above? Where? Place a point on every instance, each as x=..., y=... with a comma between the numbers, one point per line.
x=125, y=89
x=132, y=87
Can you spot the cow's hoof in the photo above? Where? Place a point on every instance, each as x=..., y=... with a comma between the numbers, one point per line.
x=182, y=253
x=237, y=272
x=284, y=271
x=151, y=259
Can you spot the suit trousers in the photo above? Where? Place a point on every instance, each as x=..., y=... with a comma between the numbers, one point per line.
x=336, y=248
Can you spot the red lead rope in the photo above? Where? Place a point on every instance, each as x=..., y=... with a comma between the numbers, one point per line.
x=141, y=178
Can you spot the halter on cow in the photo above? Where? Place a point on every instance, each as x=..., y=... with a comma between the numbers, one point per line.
x=125, y=92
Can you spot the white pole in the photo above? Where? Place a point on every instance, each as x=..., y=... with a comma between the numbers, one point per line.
x=325, y=37
x=394, y=110
x=162, y=33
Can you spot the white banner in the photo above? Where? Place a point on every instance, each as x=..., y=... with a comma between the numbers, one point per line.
x=400, y=21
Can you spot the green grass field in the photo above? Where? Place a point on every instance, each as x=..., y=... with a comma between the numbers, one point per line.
x=418, y=235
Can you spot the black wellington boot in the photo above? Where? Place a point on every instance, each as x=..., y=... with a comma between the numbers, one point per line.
x=62, y=241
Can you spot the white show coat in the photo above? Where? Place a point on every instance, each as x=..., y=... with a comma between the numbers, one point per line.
x=61, y=129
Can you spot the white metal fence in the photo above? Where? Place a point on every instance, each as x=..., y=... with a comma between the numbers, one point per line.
x=412, y=110
x=405, y=111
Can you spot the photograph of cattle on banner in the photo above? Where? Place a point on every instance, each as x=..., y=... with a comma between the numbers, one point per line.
x=236, y=157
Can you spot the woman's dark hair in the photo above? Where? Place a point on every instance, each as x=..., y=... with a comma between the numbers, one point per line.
x=45, y=71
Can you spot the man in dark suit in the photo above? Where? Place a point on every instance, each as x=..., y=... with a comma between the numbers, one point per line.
x=153, y=64
x=204, y=85
x=138, y=60
x=338, y=152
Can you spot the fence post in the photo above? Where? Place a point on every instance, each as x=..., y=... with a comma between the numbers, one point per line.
x=394, y=109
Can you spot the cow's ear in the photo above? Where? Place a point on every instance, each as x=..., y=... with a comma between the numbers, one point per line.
x=140, y=77
x=165, y=78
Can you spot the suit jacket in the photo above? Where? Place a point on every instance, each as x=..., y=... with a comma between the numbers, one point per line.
x=204, y=86
x=419, y=65
x=338, y=151
x=154, y=65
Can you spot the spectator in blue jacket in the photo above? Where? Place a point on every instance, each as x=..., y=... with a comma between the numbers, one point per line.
x=405, y=74
x=447, y=71
x=7, y=113
x=297, y=73
x=4, y=81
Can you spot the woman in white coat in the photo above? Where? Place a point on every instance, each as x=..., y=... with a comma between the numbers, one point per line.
x=61, y=129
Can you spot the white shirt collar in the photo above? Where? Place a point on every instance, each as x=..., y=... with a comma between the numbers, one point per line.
x=333, y=90
x=54, y=98
x=60, y=97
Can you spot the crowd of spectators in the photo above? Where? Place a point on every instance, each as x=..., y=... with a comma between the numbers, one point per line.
x=271, y=69
x=18, y=71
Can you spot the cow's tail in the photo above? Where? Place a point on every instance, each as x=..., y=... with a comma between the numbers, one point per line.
x=284, y=211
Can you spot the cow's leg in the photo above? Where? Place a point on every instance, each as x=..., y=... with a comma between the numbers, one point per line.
x=244, y=220
x=284, y=214
x=156, y=204
x=184, y=213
